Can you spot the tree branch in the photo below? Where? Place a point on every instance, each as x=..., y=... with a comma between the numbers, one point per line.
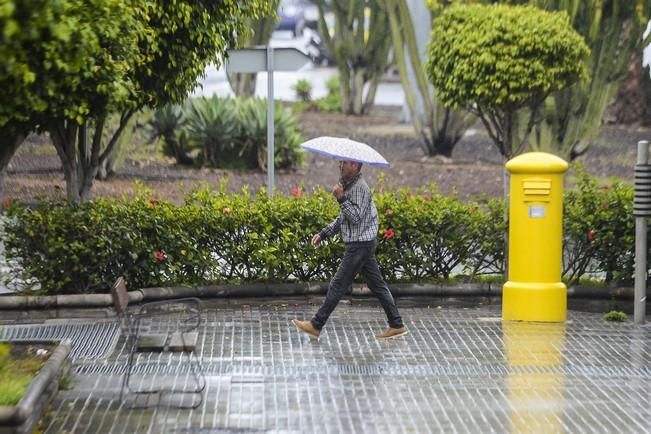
x=494, y=135
x=124, y=120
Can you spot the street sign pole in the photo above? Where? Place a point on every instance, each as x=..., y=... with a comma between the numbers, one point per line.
x=270, y=121
x=267, y=59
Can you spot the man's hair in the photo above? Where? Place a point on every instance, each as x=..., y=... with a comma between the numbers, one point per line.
x=357, y=163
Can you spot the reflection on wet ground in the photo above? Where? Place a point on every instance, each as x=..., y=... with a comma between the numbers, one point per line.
x=461, y=369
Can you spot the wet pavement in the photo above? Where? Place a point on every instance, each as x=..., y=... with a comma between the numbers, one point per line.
x=461, y=369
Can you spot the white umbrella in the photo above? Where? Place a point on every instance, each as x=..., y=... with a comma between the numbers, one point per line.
x=343, y=148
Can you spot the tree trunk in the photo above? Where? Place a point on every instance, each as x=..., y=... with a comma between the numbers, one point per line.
x=243, y=84
x=115, y=158
x=360, y=45
x=439, y=128
x=344, y=89
x=369, y=98
x=10, y=141
x=3, y=174
x=64, y=138
x=79, y=158
x=357, y=92
x=445, y=138
x=631, y=105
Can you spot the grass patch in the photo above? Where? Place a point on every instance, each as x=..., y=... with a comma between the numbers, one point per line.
x=615, y=316
x=65, y=383
x=17, y=370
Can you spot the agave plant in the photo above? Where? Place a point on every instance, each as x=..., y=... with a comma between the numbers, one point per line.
x=211, y=128
x=288, y=137
x=167, y=124
x=252, y=133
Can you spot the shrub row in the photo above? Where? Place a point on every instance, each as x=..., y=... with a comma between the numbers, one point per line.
x=216, y=237
x=221, y=237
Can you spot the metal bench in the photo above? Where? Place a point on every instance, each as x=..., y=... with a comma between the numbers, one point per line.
x=169, y=326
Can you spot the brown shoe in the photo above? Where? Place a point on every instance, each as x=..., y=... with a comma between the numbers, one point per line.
x=307, y=327
x=392, y=332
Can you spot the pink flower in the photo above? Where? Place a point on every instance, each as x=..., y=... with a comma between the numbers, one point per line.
x=160, y=255
x=388, y=212
x=388, y=233
x=6, y=203
x=591, y=235
x=296, y=191
x=226, y=210
x=427, y=196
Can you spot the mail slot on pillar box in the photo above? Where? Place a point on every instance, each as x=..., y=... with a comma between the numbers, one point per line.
x=534, y=291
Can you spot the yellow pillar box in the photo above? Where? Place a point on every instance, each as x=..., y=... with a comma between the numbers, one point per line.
x=534, y=291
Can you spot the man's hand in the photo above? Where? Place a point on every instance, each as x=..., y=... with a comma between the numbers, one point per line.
x=338, y=190
x=316, y=241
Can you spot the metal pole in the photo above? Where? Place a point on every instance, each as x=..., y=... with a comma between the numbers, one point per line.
x=270, y=121
x=639, y=305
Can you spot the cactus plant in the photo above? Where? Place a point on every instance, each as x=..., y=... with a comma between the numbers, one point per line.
x=613, y=30
x=438, y=128
x=360, y=45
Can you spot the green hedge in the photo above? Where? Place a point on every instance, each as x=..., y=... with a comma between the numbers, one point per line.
x=220, y=237
x=599, y=230
x=217, y=237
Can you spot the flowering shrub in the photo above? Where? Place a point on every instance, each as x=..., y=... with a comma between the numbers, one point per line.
x=388, y=233
x=427, y=235
x=598, y=228
x=160, y=255
x=212, y=237
x=216, y=237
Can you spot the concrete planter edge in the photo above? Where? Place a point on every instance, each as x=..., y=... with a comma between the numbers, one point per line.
x=24, y=416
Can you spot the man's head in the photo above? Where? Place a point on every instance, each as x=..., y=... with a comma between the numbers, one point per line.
x=348, y=169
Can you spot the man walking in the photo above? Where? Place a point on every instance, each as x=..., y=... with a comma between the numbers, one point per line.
x=358, y=223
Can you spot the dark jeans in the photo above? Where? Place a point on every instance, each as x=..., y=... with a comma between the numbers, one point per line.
x=358, y=257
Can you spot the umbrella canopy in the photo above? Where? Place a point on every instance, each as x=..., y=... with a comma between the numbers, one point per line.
x=343, y=148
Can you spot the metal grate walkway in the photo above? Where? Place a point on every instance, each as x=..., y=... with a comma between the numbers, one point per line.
x=459, y=370
x=90, y=341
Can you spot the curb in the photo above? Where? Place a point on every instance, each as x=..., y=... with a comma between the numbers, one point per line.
x=13, y=302
x=23, y=417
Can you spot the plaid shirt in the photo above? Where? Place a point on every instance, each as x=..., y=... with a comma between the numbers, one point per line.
x=357, y=219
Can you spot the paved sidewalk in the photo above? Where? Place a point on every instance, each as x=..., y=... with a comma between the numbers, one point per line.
x=461, y=369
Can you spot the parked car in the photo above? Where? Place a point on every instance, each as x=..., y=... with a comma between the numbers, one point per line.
x=301, y=18
x=311, y=15
x=292, y=16
x=322, y=56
